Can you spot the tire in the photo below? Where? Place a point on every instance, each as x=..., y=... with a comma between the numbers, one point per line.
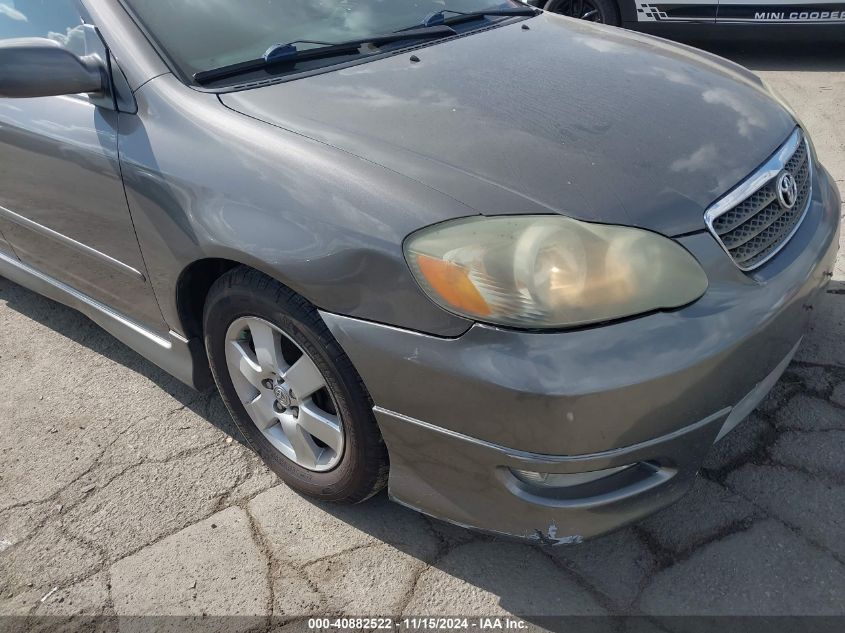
x=238, y=309
x=606, y=11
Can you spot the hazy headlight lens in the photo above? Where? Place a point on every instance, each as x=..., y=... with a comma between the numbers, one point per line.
x=550, y=271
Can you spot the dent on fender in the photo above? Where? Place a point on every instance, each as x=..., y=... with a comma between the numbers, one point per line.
x=266, y=181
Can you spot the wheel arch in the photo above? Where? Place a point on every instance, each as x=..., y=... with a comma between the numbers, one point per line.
x=193, y=286
x=192, y=289
x=195, y=282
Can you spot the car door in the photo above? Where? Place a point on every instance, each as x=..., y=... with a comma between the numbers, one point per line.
x=781, y=12
x=63, y=208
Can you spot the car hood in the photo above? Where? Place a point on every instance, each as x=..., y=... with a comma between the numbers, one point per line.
x=593, y=122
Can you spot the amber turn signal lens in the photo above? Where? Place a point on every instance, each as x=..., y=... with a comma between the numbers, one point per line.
x=451, y=281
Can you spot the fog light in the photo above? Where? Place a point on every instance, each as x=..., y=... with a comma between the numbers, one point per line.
x=566, y=480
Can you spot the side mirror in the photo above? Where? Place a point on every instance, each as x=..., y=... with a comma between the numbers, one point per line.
x=39, y=67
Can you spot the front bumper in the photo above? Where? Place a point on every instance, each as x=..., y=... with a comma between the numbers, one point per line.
x=654, y=393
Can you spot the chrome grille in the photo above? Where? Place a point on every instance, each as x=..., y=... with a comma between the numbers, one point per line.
x=750, y=223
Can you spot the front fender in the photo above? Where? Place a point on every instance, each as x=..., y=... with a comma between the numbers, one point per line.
x=206, y=182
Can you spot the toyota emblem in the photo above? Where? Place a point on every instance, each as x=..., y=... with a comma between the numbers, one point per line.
x=787, y=189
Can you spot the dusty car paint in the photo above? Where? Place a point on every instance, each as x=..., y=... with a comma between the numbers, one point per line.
x=527, y=134
x=317, y=181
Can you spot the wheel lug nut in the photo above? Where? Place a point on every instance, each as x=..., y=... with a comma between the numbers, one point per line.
x=268, y=384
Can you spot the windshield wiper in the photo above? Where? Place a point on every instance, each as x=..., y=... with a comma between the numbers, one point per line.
x=439, y=17
x=281, y=54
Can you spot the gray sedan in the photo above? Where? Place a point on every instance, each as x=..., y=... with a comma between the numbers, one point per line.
x=410, y=249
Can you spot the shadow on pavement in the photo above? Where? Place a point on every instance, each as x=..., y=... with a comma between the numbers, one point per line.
x=78, y=328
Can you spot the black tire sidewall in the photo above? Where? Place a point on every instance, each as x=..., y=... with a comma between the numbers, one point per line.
x=609, y=10
x=348, y=479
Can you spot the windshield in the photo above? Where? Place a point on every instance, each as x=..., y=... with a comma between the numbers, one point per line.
x=199, y=35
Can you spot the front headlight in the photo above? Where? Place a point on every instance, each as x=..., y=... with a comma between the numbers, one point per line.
x=544, y=272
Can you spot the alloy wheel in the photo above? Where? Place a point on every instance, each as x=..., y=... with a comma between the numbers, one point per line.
x=285, y=394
